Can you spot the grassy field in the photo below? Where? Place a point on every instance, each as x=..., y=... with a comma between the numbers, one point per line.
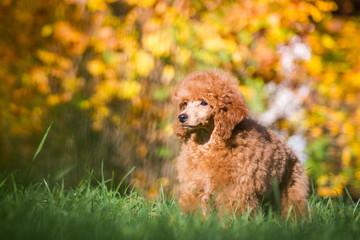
x=96, y=210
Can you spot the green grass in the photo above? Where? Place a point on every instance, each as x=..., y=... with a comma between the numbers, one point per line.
x=96, y=210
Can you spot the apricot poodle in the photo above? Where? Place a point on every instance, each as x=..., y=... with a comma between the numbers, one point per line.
x=228, y=161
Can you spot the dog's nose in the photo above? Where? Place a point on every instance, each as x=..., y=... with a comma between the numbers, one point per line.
x=183, y=117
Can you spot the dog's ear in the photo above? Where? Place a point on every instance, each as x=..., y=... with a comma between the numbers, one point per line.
x=230, y=111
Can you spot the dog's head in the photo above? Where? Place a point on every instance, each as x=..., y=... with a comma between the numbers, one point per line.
x=208, y=99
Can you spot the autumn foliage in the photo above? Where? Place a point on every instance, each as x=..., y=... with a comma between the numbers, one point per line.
x=103, y=71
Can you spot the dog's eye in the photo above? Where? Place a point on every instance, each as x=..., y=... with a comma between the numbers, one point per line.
x=185, y=104
x=203, y=103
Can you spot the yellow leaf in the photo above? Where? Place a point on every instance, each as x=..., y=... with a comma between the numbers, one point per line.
x=40, y=79
x=349, y=129
x=328, y=191
x=46, y=57
x=329, y=77
x=237, y=57
x=142, y=3
x=327, y=41
x=326, y=6
x=354, y=79
x=97, y=125
x=168, y=74
x=142, y=150
x=74, y=40
x=158, y=43
x=314, y=66
x=168, y=130
x=214, y=43
x=346, y=157
x=325, y=191
x=71, y=84
x=184, y=33
x=129, y=89
x=46, y=30
x=85, y=104
x=248, y=92
x=357, y=174
x=316, y=14
x=316, y=132
x=116, y=120
x=322, y=180
x=339, y=116
x=96, y=5
x=103, y=111
x=163, y=181
x=96, y=67
x=144, y=63
x=355, y=147
x=333, y=128
x=53, y=100
x=183, y=55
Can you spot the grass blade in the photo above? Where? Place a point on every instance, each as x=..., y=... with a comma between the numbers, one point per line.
x=349, y=196
x=37, y=152
x=15, y=189
x=64, y=172
x=123, y=179
x=3, y=182
x=356, y=206
x=288, y=215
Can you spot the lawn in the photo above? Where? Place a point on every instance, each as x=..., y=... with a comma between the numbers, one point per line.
x=96, y=209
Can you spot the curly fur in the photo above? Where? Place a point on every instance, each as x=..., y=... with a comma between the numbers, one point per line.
x=231, y=160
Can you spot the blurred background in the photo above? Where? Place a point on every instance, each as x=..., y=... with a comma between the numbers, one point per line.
x=103, y=70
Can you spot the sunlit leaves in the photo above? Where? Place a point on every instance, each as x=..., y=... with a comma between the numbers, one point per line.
x=168, y=74
x=142, y=3
x=46, y=30
x=118, y=61
x=96, y=5
x=71, y=39
x=144, y=63
x=334, y=66
x=129, y=89
x=158, y=43
x=96, y=67
x=315, y=65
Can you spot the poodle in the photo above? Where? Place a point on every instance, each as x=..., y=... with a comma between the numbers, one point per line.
x=228, y=161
